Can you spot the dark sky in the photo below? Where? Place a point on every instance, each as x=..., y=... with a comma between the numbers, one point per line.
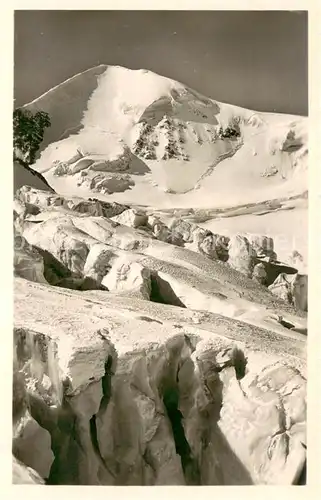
x=255, y=59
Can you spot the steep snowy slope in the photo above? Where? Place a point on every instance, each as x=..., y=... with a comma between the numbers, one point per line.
x=136, y=137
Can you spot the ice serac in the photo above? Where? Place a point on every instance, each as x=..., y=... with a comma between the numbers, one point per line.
x=241, y=255
x=132, y=218
x=135, y=394
x=40, y=199
x=31, y=443
x=130, y=277
x=28, y=263
x=292, y=288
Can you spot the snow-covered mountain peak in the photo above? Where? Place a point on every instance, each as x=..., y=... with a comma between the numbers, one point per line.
x=138, y=137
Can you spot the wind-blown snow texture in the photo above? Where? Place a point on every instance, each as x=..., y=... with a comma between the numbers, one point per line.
x=160, y=290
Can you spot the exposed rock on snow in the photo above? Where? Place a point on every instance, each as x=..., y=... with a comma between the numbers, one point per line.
x=118, y=162
x=292, y=142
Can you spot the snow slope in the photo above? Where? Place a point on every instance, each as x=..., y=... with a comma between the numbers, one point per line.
x=288, y=228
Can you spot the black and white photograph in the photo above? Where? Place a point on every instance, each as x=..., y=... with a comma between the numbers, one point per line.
x=160, y=228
